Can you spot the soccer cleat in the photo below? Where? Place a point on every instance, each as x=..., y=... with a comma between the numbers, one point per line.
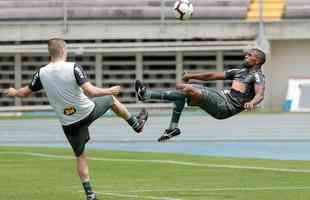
x=92, y=197
x=140, y=90
x=169, y=133
x=142, y=118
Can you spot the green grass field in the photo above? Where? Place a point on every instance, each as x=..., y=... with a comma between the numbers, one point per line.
x=49, y=174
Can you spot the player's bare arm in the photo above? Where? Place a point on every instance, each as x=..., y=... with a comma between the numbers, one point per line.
x=193, y=93
x=21, y=92
x=203, y=76
x=259, y=96
x=92, y=91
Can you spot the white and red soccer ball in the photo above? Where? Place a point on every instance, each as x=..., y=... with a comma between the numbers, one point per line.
x=183, y=9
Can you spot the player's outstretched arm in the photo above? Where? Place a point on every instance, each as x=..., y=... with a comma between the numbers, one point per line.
x=21, y=92
x=259, y=96
x=203, y=76
x=92, y=91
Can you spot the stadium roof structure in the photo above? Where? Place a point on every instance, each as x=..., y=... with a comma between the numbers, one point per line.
x=80, y=48
x=151, y=29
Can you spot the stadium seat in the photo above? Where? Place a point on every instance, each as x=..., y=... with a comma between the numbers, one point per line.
x=114, y=13
x=297, y=9
x=272, y=10
x=116, y=9
x=297, y=2
x=297, y=12
x=30, y=13
x=231, y=12
x=77, y=3
x=241, y=3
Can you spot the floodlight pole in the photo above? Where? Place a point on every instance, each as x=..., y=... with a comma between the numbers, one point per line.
x=262, y=41
x=261, y=18
x=65, y=20
x=162, y=15
x=162, y=9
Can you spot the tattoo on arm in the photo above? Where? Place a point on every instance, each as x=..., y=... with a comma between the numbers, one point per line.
x=259, y=94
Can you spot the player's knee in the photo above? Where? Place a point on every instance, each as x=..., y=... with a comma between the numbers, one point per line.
x=194, y=93
x=194, y=100
x=79, y=154
x=113, y=98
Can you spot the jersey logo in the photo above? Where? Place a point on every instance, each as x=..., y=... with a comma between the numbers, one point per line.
x=258, y=80
x=69, y=111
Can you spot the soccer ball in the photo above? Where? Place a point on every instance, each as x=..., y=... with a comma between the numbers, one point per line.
x=183, y=9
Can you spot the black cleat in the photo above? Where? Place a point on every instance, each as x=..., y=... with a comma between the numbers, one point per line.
x=92, y=197
x=169, y=133
x=142, y=117
x=140, y=90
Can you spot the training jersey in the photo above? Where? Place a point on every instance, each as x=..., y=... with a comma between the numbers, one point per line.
x=62, y=81
x=247, y=77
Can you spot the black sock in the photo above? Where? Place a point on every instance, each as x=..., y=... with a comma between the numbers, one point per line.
x=87, y=188
x=177, y=97
x=133, y=122
x=179, y=104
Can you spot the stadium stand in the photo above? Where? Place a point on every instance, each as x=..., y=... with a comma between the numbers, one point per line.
x=272, y=10
x=231, y=12
x=158, y=69
x=117, y=9
x=221, y=9
x=297, y=9
x=222, y=3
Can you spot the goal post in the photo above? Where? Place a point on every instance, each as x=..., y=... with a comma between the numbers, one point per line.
x=298, y=95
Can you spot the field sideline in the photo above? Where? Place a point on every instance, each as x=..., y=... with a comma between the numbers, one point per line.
x=49, y=173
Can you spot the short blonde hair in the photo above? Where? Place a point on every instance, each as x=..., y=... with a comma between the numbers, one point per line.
x=55, y=45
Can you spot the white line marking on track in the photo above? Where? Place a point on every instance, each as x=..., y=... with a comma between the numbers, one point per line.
x=182, y=163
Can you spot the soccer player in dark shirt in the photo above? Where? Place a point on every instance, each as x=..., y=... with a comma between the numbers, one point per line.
x=246, y=92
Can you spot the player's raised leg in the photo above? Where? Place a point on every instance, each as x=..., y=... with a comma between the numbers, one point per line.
x=192, y=93
x=177, y=97
x=137, y=122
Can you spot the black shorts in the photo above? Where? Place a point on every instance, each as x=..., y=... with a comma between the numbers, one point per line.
x=216, y=103
x=78, y=133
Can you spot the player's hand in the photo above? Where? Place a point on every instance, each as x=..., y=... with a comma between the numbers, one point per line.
x=249, y=106
x=186, y=77
x=11, y=92
x=184, y=87
x=115, y=90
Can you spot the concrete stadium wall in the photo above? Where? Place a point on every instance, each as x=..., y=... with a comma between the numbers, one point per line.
x=288, y=59
x=289, y=55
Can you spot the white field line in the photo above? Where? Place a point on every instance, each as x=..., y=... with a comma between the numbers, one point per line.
x=136, y=196
x=182, y=163
x=224, y=189
x=115, y=193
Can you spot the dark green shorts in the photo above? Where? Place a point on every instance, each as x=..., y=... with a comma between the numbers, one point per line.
x=216, y=103
x=78, y=133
